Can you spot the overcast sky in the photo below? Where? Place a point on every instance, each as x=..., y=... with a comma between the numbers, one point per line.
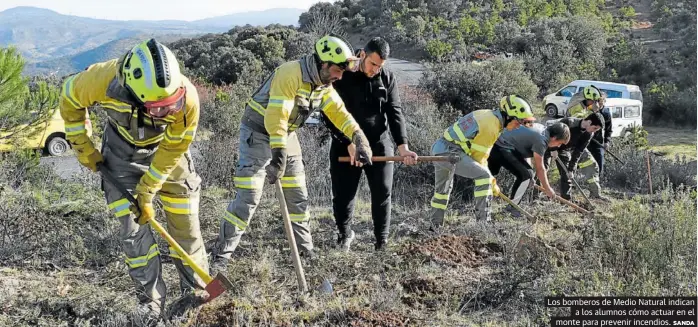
x=156, y=9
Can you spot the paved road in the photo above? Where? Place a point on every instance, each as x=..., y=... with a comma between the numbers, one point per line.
x=66, y=166
x=408, y=73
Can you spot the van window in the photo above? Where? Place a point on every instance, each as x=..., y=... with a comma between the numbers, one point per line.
x=636, y=95
x=632, y=111
x=568, y=91
x=613, y=94
x=616, y=112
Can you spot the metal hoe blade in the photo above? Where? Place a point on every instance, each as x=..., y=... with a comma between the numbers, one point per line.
x=217, y=286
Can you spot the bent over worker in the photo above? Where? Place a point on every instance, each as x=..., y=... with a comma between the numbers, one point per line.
x=514, y=147
x=372, y=97
x=269, y=145
x=575, y=152
x=152, y=114
x=472, y=138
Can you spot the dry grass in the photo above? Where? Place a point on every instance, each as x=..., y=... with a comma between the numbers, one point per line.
x=60, y=262
x=467, y=274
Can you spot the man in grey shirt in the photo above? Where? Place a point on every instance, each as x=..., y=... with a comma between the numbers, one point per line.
x=513, y=148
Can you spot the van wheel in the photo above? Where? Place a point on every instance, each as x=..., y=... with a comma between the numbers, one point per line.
x=57, y=146
x=551, y=110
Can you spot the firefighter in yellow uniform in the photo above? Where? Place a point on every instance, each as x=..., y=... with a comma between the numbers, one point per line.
x=153, y=113
x=584, y=103
x=471, y=138
x=269, y=145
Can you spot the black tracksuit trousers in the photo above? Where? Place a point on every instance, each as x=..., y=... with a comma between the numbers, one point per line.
x=345, y=183
x=514, y=162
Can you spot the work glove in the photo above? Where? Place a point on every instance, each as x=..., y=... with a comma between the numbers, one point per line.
x=495, y=187
x=91, y=159
x=145, y=210
x=276, y=167
x=363, y=149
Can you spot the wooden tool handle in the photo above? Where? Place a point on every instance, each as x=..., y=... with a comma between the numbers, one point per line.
x=530, y=217
x=399, y=158
x=182, y=254
x=563, y=201
x=288, y=228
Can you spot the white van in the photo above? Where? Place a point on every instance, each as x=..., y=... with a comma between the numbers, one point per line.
x=555, y=104
x=625, y=113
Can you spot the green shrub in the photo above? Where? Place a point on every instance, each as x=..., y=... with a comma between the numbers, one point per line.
x=667, y=102
x=639, y=250
x=438, y=49
x=471, y=86
x=627, y=12
x=632, y=174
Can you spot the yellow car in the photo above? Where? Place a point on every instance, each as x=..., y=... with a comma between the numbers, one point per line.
x=44, y=134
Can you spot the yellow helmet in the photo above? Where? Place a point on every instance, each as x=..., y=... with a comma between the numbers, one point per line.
x=591, y=93
x=516, y=106
x=150, y=71
x=335, y=50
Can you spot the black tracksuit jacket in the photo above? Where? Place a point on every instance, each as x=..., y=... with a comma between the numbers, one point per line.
x=375, y=105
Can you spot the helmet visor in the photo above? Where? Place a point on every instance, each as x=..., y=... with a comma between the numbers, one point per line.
x=167, y=106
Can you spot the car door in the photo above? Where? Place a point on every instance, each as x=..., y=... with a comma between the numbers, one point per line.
x=563, y=97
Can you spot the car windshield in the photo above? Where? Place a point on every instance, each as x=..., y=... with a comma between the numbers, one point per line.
x=632, y=111
x=568, y=91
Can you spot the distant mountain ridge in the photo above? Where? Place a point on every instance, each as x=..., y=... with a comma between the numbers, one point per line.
x=50, y=41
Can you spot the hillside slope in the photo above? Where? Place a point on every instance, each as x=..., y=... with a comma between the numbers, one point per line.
x=42, y=34
x=45, y=35
x=72, y=63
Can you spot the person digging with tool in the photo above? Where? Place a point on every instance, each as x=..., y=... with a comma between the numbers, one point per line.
x=602, y=139
x=472, y=137
x=152, y=114
x=515, y=146
x=269, y=145
x=372, y=97
x=575, y=152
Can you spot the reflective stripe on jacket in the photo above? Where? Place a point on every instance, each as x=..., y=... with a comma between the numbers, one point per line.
x=98, y=86
x=476, y=133
x=286, y=100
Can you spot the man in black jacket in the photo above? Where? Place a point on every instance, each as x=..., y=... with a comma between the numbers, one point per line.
x=575, y=153
x=603, y=137
x=371, y=96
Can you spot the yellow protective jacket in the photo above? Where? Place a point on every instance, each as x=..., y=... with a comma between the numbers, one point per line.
x=577, y=109
x=288, y=97
x=476, y=133
x=97, y=85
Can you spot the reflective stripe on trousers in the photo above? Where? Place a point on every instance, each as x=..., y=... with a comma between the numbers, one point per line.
x=250, y=176
x=466, y=167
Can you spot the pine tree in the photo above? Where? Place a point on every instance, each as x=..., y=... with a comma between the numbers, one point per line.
x=13, y=87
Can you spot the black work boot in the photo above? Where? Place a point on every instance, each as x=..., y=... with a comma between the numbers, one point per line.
x=219, y=265
x=344, y=240
x=381, y=245
x=190, y=299
x=309, y=255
